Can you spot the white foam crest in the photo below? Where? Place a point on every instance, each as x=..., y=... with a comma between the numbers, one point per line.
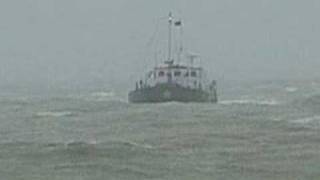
x=291, y=89
x=54, y=114
x=306, y=120
x=105, y=96
x=170, y=103
x=131, y=143
x=270, y=102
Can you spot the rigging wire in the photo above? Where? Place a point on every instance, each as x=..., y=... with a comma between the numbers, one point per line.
x=153, y=42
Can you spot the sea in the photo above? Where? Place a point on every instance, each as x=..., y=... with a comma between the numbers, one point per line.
x=257, y=131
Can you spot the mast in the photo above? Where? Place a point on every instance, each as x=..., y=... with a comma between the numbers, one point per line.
x=170, y=60
x=180, y=45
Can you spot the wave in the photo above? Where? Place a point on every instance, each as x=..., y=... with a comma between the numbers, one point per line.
x=54, y=114
x=311, y=101
x=105, y=96
x=291, y=89
x=271, y=102
x=135, y=144
x=112, y=143
x=306, y=120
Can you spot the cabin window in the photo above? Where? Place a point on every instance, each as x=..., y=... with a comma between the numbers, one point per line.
x=193, y=74
x=161, y=74
x=177, y=73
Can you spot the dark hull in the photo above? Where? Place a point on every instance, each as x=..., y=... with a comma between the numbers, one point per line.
x=170, y=92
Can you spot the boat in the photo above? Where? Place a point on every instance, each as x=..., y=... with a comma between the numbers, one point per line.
x=173, y=80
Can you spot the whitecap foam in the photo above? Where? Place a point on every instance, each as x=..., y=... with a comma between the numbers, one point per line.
x=276, y=119
x=105, y=96
x=54, y=114
x=135, y=144
x=170, y=103
x=291, y=89
x=270, y=102
x=306, y=120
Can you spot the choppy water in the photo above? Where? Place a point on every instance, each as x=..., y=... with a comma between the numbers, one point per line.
x=261, y=131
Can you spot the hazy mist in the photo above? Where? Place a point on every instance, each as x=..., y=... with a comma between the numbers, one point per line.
x=79, y=43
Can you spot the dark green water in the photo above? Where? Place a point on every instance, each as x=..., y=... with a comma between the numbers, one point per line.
x=257, y=131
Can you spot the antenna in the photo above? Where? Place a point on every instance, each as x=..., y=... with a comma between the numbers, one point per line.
x=170, y=61
x=192, y=57
x=180, y=45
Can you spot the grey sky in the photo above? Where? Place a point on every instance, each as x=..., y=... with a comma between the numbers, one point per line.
x=55, y=42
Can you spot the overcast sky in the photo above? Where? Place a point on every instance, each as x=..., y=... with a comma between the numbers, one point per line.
x=50, y=43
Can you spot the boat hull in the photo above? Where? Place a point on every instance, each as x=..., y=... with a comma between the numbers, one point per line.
x=171, y=92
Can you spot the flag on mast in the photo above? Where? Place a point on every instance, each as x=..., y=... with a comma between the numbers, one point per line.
x=178, y=23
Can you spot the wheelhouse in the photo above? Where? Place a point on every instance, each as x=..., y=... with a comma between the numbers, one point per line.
x=186, y=76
